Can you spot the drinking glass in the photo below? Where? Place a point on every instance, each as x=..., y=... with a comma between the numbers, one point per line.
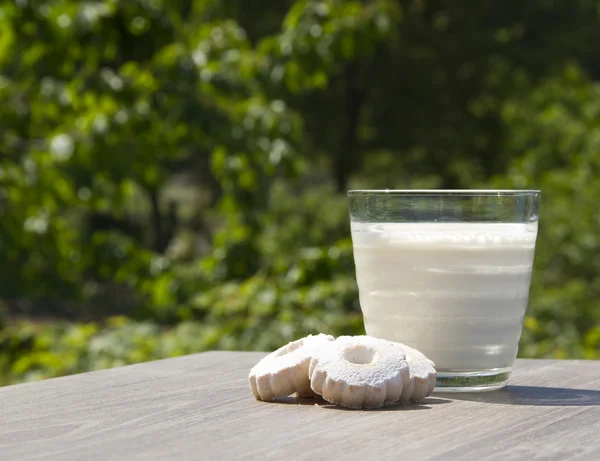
x=447, y=272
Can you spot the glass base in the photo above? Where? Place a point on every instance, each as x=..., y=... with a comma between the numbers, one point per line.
x=471, y=381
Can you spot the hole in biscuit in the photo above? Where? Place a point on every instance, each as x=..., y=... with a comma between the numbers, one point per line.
x=284, y=350
x=360, y=355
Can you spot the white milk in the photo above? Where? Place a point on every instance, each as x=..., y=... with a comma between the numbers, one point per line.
x=455, y=291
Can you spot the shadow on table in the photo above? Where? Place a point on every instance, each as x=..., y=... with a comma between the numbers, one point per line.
x=425, y=405
x=533, y=395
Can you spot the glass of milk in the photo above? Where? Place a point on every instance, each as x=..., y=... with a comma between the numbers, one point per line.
x=447, y=272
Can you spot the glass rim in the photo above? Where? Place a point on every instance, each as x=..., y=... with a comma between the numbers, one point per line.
x=445, y=192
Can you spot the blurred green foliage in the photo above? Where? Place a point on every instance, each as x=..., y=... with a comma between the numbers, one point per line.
x=172, y=173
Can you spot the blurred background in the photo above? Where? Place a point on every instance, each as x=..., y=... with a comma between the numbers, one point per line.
x=173, y=172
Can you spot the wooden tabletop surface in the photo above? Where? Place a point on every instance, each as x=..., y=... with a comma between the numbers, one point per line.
x=200, y=407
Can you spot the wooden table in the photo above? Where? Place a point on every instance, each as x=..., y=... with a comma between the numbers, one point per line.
x=199, y=407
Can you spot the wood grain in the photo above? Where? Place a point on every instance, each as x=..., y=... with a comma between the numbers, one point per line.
x=199, y=407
